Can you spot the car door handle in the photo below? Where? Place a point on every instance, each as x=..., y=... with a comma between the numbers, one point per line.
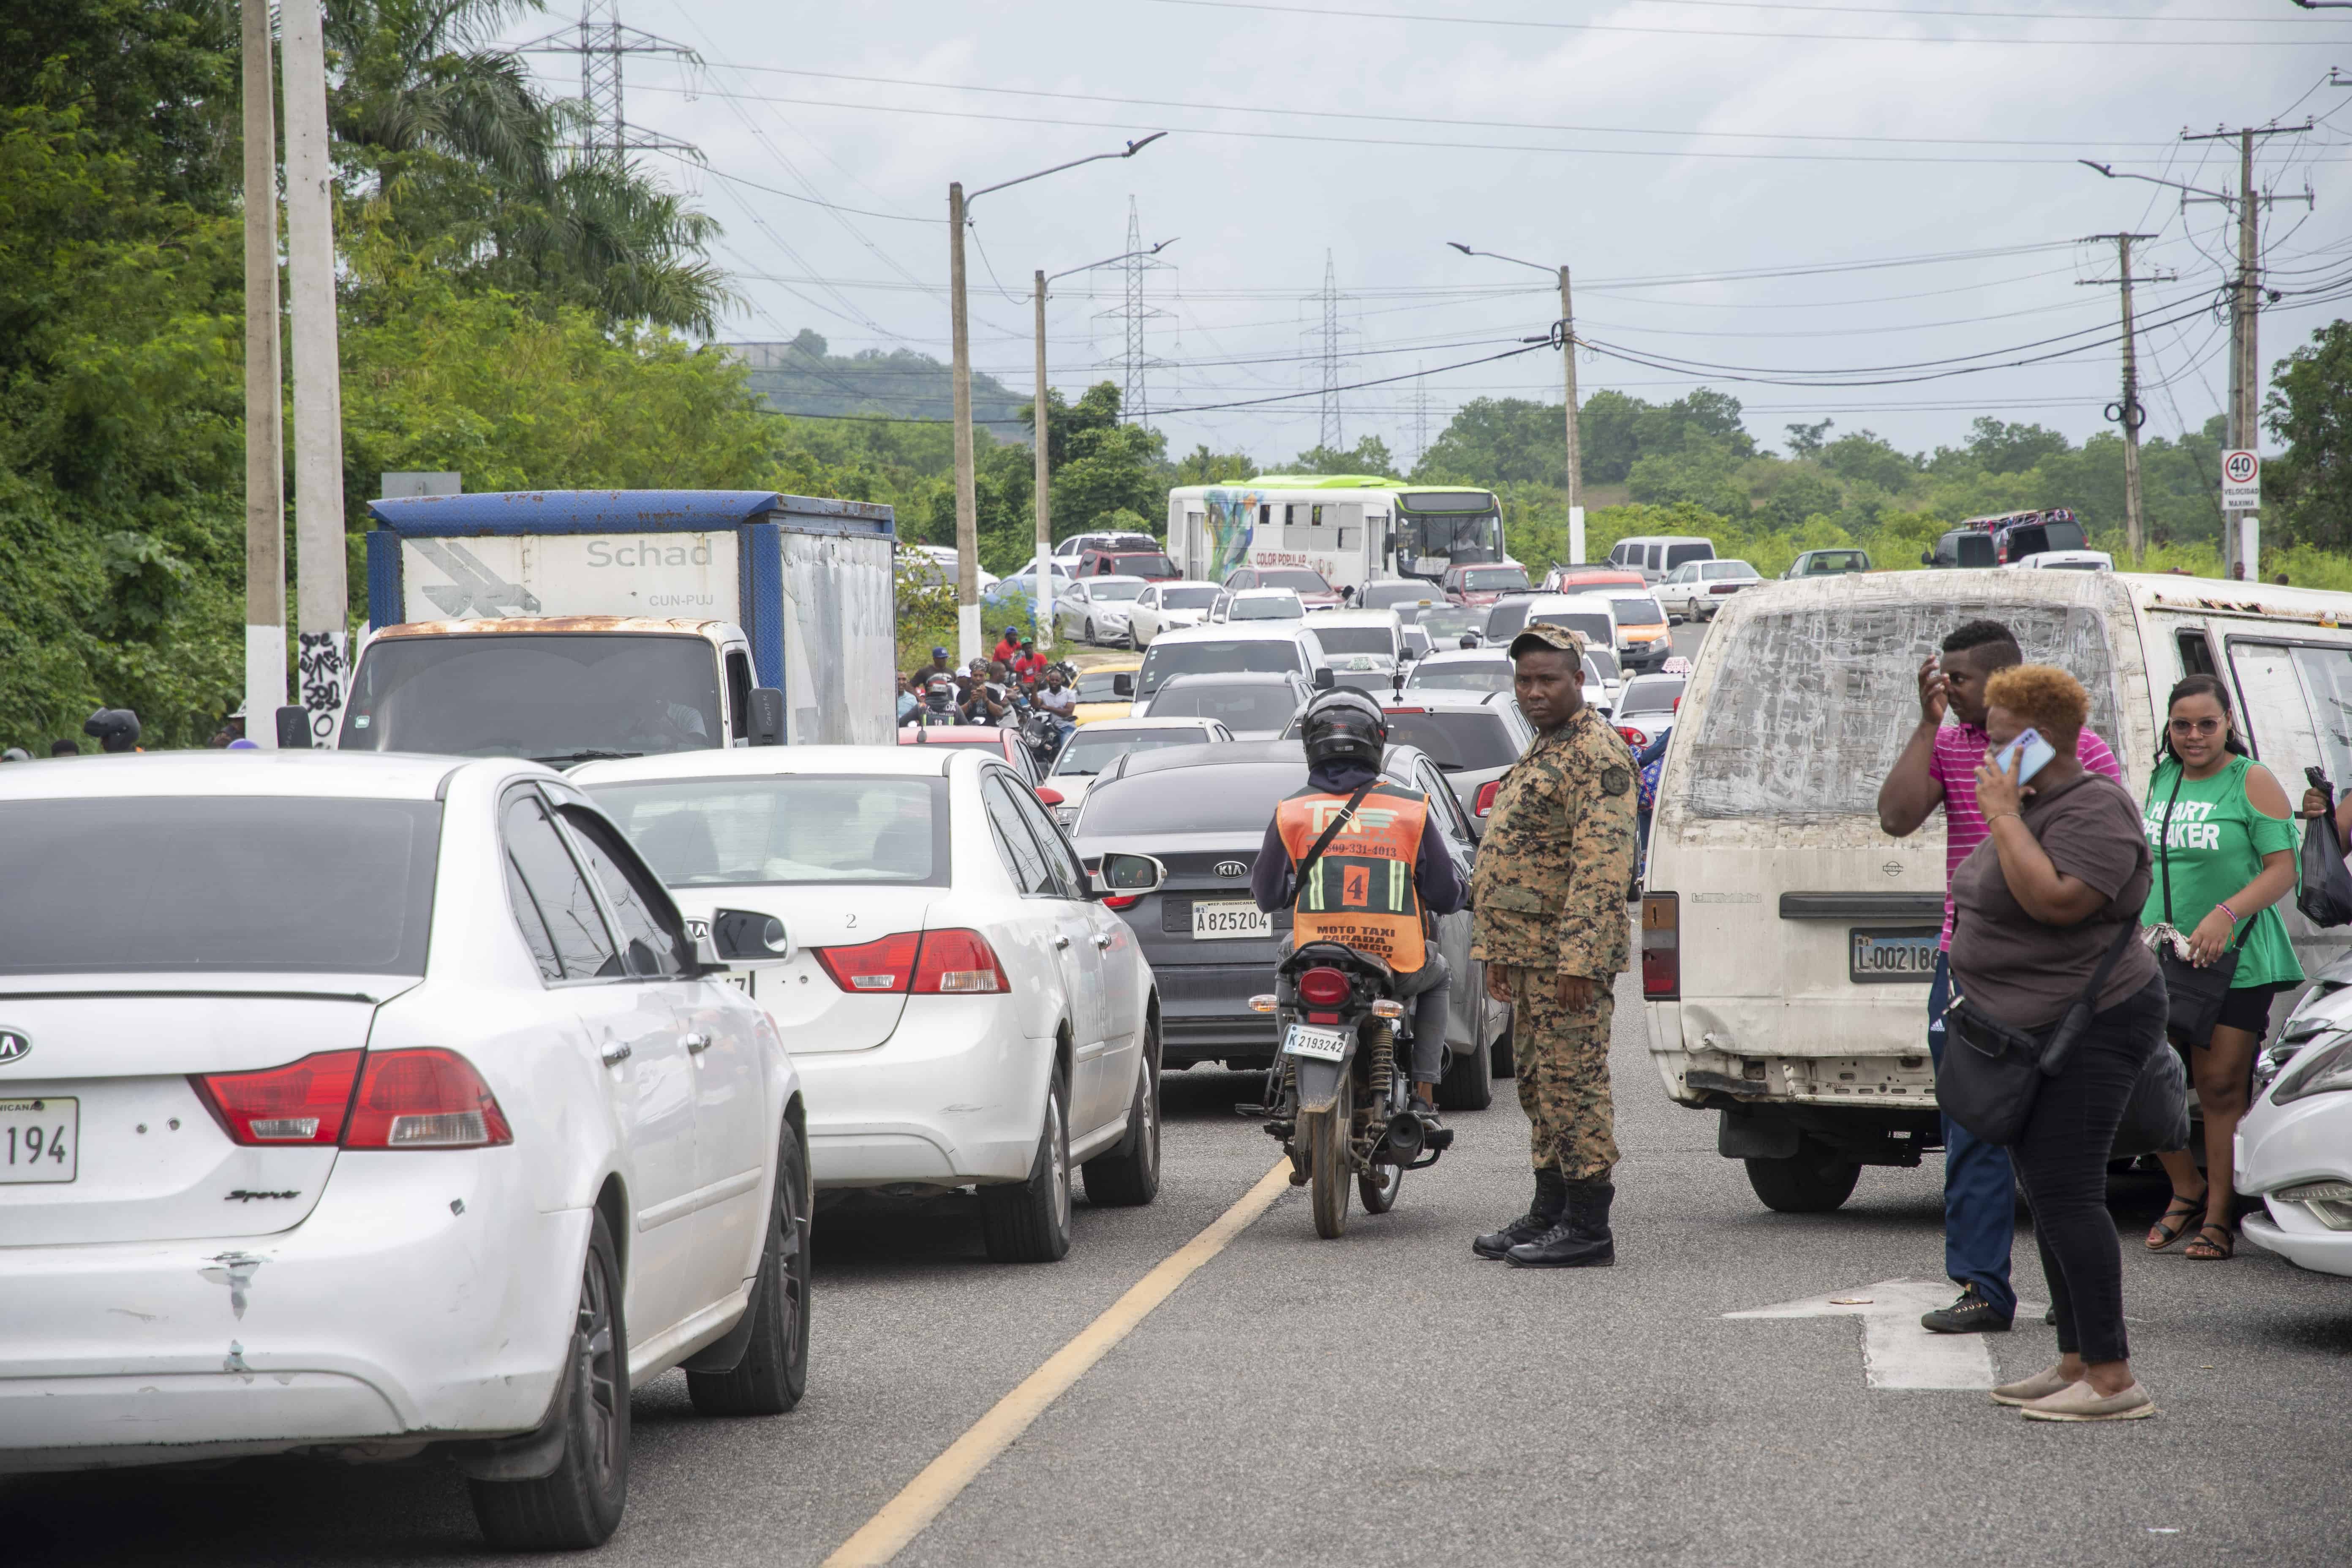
x=615, y=1054
x=1102, y=941
x=698, y=1042
x=1061, y=941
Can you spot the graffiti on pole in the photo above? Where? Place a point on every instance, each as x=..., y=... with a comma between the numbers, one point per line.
x=321, y=667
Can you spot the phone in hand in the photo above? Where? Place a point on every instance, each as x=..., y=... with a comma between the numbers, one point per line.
x=2029, y=746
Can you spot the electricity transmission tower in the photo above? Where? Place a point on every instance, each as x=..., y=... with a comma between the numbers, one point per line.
x=1136, y=313
x=1420, y=414
x=602, y=41
x=2126, y=411
x=1327, y=336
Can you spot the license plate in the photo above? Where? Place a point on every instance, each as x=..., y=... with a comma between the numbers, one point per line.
x=40, y=1140
x=1323, y=1045
x=1225, y=922
x=1904, y=955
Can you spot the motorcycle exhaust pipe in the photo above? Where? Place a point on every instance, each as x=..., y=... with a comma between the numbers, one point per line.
x=1405, y=1137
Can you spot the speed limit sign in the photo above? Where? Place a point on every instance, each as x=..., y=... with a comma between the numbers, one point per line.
x=2241, y=481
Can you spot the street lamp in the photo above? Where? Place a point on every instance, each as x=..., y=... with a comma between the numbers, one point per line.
x=967, y=499
x=1568, y=363
x=1043, y=513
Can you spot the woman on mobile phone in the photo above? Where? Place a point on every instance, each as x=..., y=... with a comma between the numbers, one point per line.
x=2218, y=822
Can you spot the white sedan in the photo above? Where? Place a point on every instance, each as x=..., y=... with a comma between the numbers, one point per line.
x=1094, y=609
x=351, y=1104
x=1695, y=589
x=2295, y=1144
x=1165, y=606
x=964, y=1012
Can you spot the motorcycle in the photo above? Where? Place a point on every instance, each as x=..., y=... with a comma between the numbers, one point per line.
x=1335, y=1096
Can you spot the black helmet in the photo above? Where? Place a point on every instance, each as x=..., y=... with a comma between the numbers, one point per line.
x=1344, y=725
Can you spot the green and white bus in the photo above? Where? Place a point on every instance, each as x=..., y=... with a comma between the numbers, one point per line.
x=1354, y=528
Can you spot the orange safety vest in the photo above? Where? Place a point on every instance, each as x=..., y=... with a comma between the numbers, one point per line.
x=1361, y=893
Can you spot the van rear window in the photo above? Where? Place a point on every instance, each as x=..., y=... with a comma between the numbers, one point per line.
x=1809, y=708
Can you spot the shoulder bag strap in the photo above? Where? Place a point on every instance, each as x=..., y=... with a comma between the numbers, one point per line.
x=1315, y=852
x=2164, y=836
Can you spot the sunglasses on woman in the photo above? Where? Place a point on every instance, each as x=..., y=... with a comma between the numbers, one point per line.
x=2198, y=726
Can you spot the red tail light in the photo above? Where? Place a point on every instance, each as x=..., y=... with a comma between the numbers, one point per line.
x=958, y=962
x=1323, y=987
x=1487, y=794
x=302, y=1103
x=1633, y=738
x=886, y=965
x=424, y=1099
x=1121, y=900
x=1662, y=946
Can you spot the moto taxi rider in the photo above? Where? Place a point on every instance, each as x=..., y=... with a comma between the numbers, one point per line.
x=1361, y=893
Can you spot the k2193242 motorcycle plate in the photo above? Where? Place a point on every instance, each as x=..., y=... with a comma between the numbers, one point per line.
x=1323, y=1045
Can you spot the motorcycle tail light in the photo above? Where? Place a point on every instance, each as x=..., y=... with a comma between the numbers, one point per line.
x=885, y=964
x=424, y=1099
x=958, y=963
x=302, y=1102
x=1323, y=987
x=1662, y=946
x=1487, y=794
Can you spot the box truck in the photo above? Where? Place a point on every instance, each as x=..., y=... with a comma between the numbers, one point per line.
x=572, y=625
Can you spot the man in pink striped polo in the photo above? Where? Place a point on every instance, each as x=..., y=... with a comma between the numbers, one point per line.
x=1938, y=768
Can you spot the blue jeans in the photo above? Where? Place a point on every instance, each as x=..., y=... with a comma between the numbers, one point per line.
x=1979, y=1188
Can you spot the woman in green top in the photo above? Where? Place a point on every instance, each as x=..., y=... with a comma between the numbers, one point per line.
x=2218, y=822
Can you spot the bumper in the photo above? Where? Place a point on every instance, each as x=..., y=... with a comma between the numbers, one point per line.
x=2300, y=1239
x=384, y=1315
x=1204, y=1011
x=953, y=1097
x=2280, y=1146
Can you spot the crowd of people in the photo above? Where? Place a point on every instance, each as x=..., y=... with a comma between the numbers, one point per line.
x=1016, y=688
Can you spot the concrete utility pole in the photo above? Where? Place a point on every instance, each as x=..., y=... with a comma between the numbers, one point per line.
x=967, y=498
x=322, y=601
x=2127, y=411
x=264, y=475
x=1567, y=331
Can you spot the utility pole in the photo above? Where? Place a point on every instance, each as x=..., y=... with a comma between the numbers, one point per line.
x=1044, y=499
x=264, y=476
x=2127, y=411
x=322, y=600
x=1575, y=458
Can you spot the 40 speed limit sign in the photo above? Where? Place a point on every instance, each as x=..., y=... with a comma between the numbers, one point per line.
x=2241, y=481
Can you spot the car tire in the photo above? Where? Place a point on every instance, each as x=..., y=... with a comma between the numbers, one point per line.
x=1812, y=1181
x=1468, y=1083
x=774, y=1372
x=1029, y=1221
x=578, y=1505
x=1128, y=1176
x=1089, y=633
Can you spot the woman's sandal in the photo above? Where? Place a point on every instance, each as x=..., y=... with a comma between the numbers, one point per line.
x=2214, y=1251
x=2176, y=1222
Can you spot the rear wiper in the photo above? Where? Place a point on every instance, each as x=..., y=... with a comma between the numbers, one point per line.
x=566, y=759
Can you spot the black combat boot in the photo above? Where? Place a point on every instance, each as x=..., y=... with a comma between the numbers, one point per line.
x=1581, y=1239
x=1551, y=1198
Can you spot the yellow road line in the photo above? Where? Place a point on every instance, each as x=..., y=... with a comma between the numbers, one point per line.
x=923, y=1500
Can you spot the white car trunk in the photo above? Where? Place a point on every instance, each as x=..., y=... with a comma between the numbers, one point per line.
x=813, y=1012
x=149, y=1162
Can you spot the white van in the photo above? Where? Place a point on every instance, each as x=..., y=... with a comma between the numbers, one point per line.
x=1788, y=942
x=1654, y=555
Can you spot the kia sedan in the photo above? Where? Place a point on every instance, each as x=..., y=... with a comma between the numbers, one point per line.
x=357, y=1104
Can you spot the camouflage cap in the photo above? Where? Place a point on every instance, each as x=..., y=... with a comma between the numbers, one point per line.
x=1543, y=634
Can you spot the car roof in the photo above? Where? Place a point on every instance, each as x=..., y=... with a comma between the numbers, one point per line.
x=1668, y=538
x=1230, y=631
x=1382, y=617
x=1265, y=593
x=350, y=775
x=1118, y=666
x=1538, y=603
x=1119, y=726
x=1397, y=761
x=1444, y=698
x=1464, y=655
x=914, y=761
x=1186, y=583
x=1092, y=578
x=1232, y=678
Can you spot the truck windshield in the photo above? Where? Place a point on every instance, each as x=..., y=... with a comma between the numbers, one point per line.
x=557, y=696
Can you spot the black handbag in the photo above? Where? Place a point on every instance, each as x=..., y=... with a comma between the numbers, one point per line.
x=2195, y=992
x=2325, y=896
x=1992, y=1072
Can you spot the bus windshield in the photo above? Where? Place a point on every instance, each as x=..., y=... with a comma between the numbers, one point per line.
x=1435, y=530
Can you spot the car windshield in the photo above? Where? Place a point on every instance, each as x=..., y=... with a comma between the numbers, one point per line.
x=1187, y=598
x=1356, y=639
x=1252, y=656
x=1598, y=629
x=1094, y=748
x=1461, y=675
x=1487, y=579
x=1678, y=553
x=260, y=884
x=558, y=696
x=1722, y=570
x=1469, y=742
x=1271, y=607
x=1298, y=579
x=1638, y=610
x=1239, y=798
x=1446, y=623
x=1100, y=588
x=1652, y=695
x=1835, y=560
x=1094, y=685
x=740, y=832
x=1152, y=565
x=1256, y=705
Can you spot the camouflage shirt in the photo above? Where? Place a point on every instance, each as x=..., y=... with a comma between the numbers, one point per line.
x=1559, y=852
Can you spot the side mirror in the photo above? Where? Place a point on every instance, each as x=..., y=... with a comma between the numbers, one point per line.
x=1123, y=684
x=1927, y=558
x=293, y=728
x=1129, y=876
x=1323, y=679
x=741, y=939
x=1048, y=796
x=767, y=716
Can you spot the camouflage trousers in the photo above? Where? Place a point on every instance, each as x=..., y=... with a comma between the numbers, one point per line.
x=1562, y=1058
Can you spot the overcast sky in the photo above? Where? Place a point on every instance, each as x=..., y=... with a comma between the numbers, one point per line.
x=1639, y=142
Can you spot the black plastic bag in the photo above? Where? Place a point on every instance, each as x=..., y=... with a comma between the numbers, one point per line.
x=2325, y=895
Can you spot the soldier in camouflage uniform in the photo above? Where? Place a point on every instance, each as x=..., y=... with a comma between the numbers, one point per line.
x=1549, y=896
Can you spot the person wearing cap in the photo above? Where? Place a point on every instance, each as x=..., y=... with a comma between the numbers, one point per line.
x=940, y=663
x=1008, y=646
x=1548, y=902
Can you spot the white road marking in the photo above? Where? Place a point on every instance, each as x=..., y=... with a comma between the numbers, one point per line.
x=1896, y=1352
